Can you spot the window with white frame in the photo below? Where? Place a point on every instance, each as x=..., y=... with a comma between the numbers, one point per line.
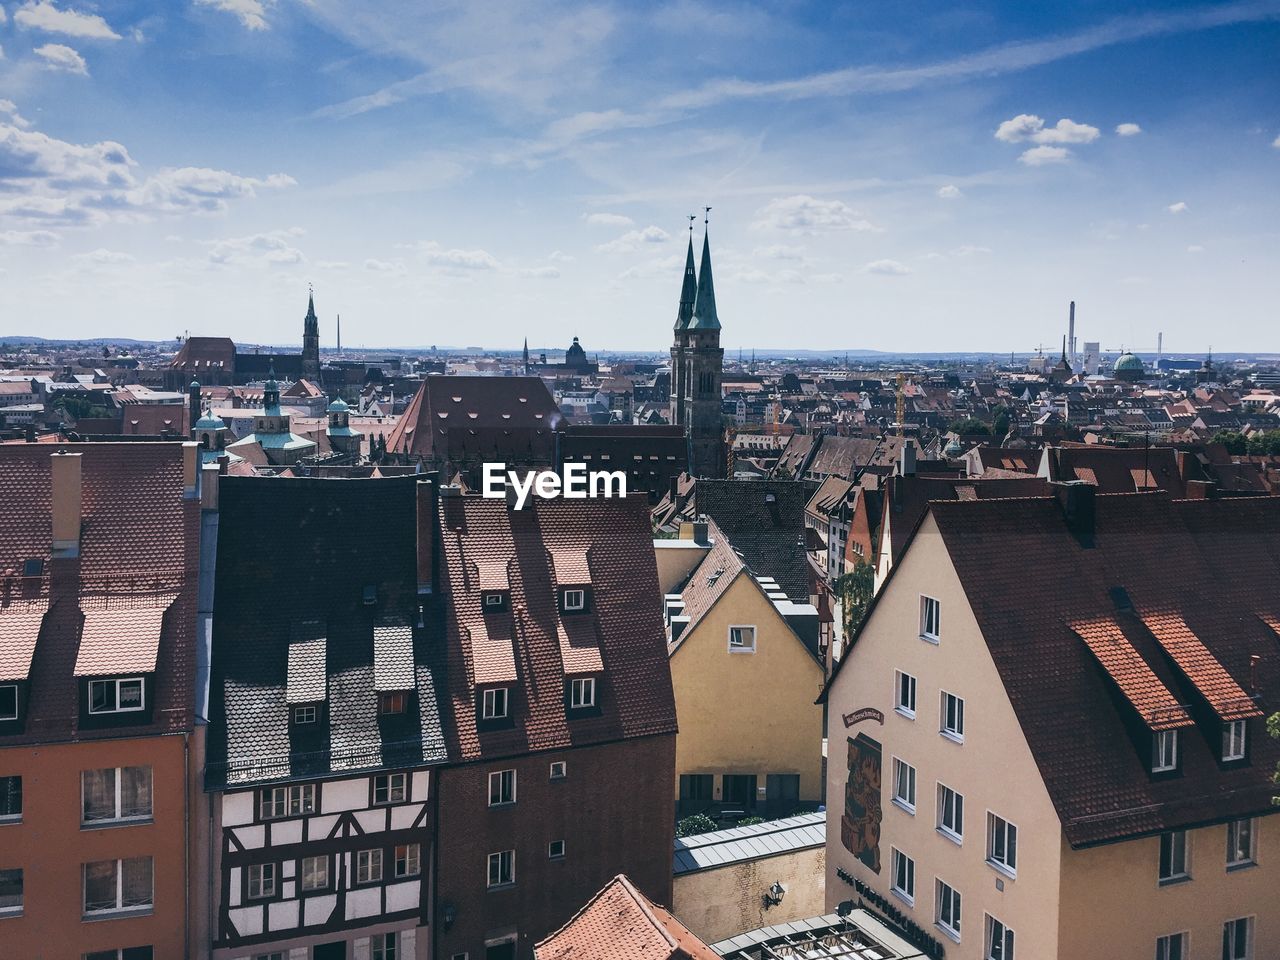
x=304, y=713
x=559, y=769
x=408, y=860
x=502, y=787
x=390, y=788
x=1174, y=859
x=8, y=701
x=1237, y=939
x=493, y=599
x=1164, y=751
x=493, y=703
x=114, y=885
x=951, y=718
x=1241, y=849
x=555, y=850
x=260, y=881
x=1172, y=947
x=999, y=941
x=742, y=639
x=930, y=618
x=904, y=876
x=948, y=908
x=582, y=692
x=904, y=694
x=115, y=794
x=123, y=695
x=11, y=892
x=368, y=866
x=294, y=800
x=315, y=873
x=1233, y=739
x=1002, y=844
x=575, y=599
x=904, y=785
x=502, y=868
x=386, y=946
x=950, y=813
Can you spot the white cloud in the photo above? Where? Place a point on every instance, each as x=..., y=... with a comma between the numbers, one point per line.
x=655, y=267
x=10, y=109
x=1027, y=127
x=192, y=189
x=252, y=14
x=607, y=219
x=887, y=268
x=1276, y=143
x=1179, y=207
x=1039, y=156
x=274, y=248
x=454, y=259
x=556, y=256
x=29, y=238
x=950, y=192
x=1128, y=130
x=1195, y=248
x=634, y=240
x=539, y=273
x=779, y=251
x=969, y=250
x=806, y=215
x=60, y=57
x=44, y=16
x=3, y=17
x=104, y=256
x=389, y=267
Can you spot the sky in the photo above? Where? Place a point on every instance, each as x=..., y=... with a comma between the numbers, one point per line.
x=906, y=176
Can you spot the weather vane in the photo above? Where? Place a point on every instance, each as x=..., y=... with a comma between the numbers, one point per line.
x=692, y=217
x=706, y=215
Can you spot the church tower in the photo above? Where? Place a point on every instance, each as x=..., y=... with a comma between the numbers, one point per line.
x=697, y=368
x=311, y=343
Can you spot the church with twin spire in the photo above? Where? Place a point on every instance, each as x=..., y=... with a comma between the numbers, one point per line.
x=697, y=365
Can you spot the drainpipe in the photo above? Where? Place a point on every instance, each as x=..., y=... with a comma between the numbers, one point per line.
x=186, y=846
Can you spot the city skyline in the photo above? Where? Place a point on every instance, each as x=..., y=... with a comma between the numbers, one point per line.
x=906, y=178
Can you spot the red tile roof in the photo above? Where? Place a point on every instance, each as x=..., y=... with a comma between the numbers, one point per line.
x=1153, y=701
x=19, y=627
x=121, y=636
x=1201, y=667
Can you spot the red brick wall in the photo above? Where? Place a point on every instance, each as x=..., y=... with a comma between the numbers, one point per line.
x=615, y=811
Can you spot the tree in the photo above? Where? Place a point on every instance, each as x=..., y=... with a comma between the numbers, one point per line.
x=698, y=823
x=1000, y=425
x=1236, y=443
x=855, y=591
x=969, y=426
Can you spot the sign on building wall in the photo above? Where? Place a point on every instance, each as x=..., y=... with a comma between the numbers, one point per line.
x=860, y=824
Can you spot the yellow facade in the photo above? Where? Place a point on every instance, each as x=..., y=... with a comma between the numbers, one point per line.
x=747, y=713
x=724, y=901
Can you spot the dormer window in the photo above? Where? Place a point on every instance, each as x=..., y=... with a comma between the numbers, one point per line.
x=124, y=695
x=391, y=702
x=495, y=601
x=1233, y=740
x=8, y=701
x=304, y=713
x=573, y=600
x=370, y=595
x=582, y=693
x=1164, y=751
x=33, y=567
x=494, y=704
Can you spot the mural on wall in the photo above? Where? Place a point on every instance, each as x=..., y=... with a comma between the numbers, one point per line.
x=860, y=824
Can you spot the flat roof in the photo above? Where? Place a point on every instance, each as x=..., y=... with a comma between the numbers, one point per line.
x=860, y=936
x=756, y=841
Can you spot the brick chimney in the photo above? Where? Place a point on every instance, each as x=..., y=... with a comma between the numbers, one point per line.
x=428, y=523
x=65, y=472
x=1076, y=499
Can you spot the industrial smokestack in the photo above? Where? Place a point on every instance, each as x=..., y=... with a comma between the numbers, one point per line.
x=1071, y=334
x=1159, y=348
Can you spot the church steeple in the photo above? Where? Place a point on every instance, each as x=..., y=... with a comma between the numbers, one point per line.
x=526, y=356
x=311, y=323
x=704, y=308
x=689, y=291
x=311, y=341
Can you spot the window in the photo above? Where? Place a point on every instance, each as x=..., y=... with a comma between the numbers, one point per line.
x=555, y=850
x=904, y=697
x=493, y=599
x=930, y=618
x=120, y=793
x=502, y=787
x=502, y=868
x=315, y=873
x=116, y=696
x=904, y=876
x=146, y=953
x=1002, y=844
x=8, y=701
x=1237, y=939
x=260, y=880
x=1233, y=740
x=742, y=639
x=1173, y=856
x=368, y=866
x=1240, y=843
x=1172, y=947
x=575, y=599
x=390, y=702
x=10, y=892
x=10, y=799
x=386, y=946
x=1164, y=751
x=952, y=717
x=390, y=788
x=111, y=885
x=289, y=801
x=408, y=860
x=948, y=909
x=559, y=769
x=999, y=941
x=33, y=567
x=582, y=692
x=904, y=785
x=950, y=813
x=305, y=713
x=494, y=704
x=738, y=791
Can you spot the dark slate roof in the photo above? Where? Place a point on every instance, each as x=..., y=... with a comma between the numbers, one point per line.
x=294, y=559
x=1118, y=469
x=460, y=418
x=764, y=520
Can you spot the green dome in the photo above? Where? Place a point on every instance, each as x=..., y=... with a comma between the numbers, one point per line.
x=1129, y=367
x=210, y=422
x=339, y=406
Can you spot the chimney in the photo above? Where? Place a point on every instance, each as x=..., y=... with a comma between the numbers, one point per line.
x=700, y=531
x=675, y=488
x=1071, y=335
x=1075, y=497
x=193, y=406
x=190, y=468
x=65, y=469
x=209, y=487
x=1199, y=489
x=907, y=461
x=427, y=525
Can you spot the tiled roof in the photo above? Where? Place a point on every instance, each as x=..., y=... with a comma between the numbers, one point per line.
x=393, y=656
x=493, y=574
x=710, y=578
x=634, y=692
x=765, y=521
x=306, y=675
x=493, y=658
x=1118, y=469
x=122, y=637
x=1152, y=700
x=19, y=629
x=1201, y=667
x=621, y=923
x=462, y=417
x=570, y=566
x=579, y=646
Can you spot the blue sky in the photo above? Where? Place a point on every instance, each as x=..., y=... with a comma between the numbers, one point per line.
x=897, y=176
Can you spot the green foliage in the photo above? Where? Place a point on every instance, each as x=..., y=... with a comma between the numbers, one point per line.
x=855, y=591
x=969, y=426
x=1000, y=424
x=750, y=821
x=1259, y=444
x=698, y=823
x=77, y=407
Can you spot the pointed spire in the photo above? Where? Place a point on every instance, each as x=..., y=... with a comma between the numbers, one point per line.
x=689, y=290
x=704, y=308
